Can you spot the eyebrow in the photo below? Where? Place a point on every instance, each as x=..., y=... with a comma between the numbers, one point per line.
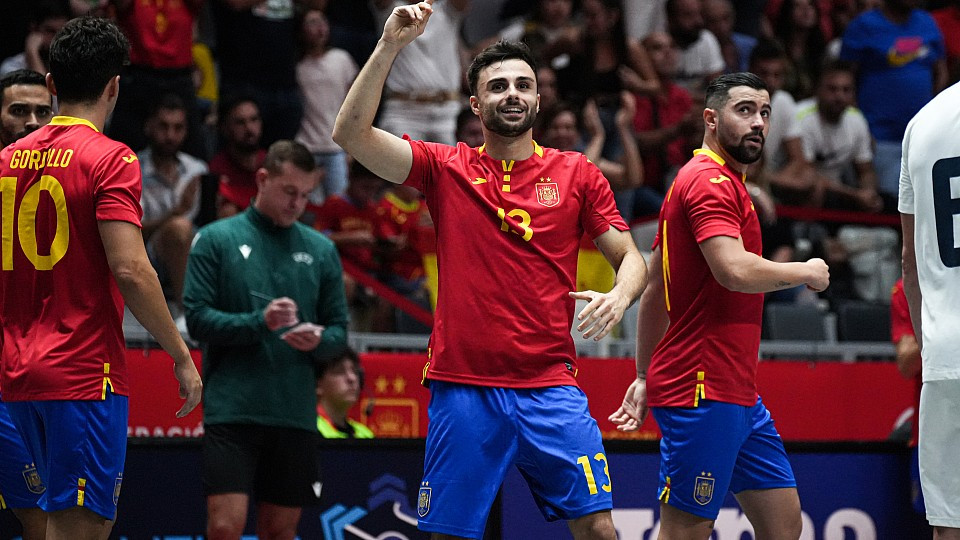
x=752, y=102
x=522, y=78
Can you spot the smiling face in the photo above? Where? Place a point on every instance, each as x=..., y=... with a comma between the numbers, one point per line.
x=506, y=100
x=741, y=125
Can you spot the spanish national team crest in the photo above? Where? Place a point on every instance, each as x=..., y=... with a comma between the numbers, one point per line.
x=703, y=489
x=116, y=489
x=32, y=478
x=423, y=500
x=548, y=194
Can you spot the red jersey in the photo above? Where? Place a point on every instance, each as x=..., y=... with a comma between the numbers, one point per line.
x=160, y=33
x=411, y=221
x=900, y=327
x=61, y=310
x=237, y=184
x=711, y=347
x=508, y=233
x=340, y=214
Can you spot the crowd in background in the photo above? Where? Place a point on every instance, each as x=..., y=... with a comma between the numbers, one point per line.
x=212, y=83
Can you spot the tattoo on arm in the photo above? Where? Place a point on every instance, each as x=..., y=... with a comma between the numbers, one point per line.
x=783, y=284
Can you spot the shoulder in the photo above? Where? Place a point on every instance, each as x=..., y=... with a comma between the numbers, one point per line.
x=193, y=166
x=314, y=237
x=807, y=111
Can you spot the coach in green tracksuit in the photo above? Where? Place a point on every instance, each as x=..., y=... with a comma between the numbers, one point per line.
x=264, y=294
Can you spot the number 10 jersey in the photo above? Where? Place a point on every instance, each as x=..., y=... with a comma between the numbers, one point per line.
x=61, y=310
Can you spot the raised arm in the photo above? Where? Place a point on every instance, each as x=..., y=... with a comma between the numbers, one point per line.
x=385, y=154
x=141, y=291
x=605, y=310
x=739, y=270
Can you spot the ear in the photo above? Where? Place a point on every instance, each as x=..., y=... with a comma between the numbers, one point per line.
x=50, y=85
x=475, y=105
x=710, y=118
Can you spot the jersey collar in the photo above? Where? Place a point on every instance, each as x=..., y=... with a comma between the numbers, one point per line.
x=72, y=121
x=716, y=157
x=537, y=149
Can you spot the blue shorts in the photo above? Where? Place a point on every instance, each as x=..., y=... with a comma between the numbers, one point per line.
x=716, y=447
x=476, y=433
x=79, y=448
x=20, y=485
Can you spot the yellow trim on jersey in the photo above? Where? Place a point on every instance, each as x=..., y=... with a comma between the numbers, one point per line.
x=423, y=377
x=710, y=154
x=700, y=391
x=3, y=503
x=106, y=382
x=537, y=149
x=716, y=157
x=72, y=121
x=665, y=267
x=81, y=485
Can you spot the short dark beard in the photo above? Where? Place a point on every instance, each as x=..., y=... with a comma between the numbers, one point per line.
x=744, y=155
x=498, y=126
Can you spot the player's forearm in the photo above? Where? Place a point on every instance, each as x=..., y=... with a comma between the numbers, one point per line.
x=652, y=323
x=754, y=274
x=355, y=120
x=142, y=294
x=911, y=281
x=631, y=276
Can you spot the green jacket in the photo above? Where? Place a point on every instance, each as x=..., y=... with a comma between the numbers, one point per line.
x=236, y=266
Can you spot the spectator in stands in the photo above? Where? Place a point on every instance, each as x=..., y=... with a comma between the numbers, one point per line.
x=170, y=196
x=899, y=55
x=643, y=17
x=405, y=235
x=48, y=17
x=664, y=121
x=701, y=59
x=550, y=21
x=422, y=93
x=256, y=50
x=948, y=20
x=836, y=140
x=797, y=27
x=324, y=75
x=25, y=104
x=339, y=383
x=161, y=63
x=564, y=129
x=350, y=221
x=602, y=62
x=240, y=155
x=468, y=129
x=735, y=47
x=547, y=87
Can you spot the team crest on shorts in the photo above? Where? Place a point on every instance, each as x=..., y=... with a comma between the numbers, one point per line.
x=423, y=500
x=703, y=489
x=32, y=478
x=116, y=489
x=548, y=194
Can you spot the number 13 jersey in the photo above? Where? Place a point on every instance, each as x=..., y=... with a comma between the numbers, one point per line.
x=508, y=234
x=61, y=310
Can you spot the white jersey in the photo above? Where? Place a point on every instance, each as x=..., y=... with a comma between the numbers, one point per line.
x=930, y=189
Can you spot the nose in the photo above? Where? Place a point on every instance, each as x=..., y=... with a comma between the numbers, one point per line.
x=33, y=122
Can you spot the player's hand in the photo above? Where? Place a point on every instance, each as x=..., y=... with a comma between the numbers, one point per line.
x=191, y=386
x=405, y=23
x=633, y=411
x=819, y=277
x=280, y=313
x=304, y=336
x=603, y=312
